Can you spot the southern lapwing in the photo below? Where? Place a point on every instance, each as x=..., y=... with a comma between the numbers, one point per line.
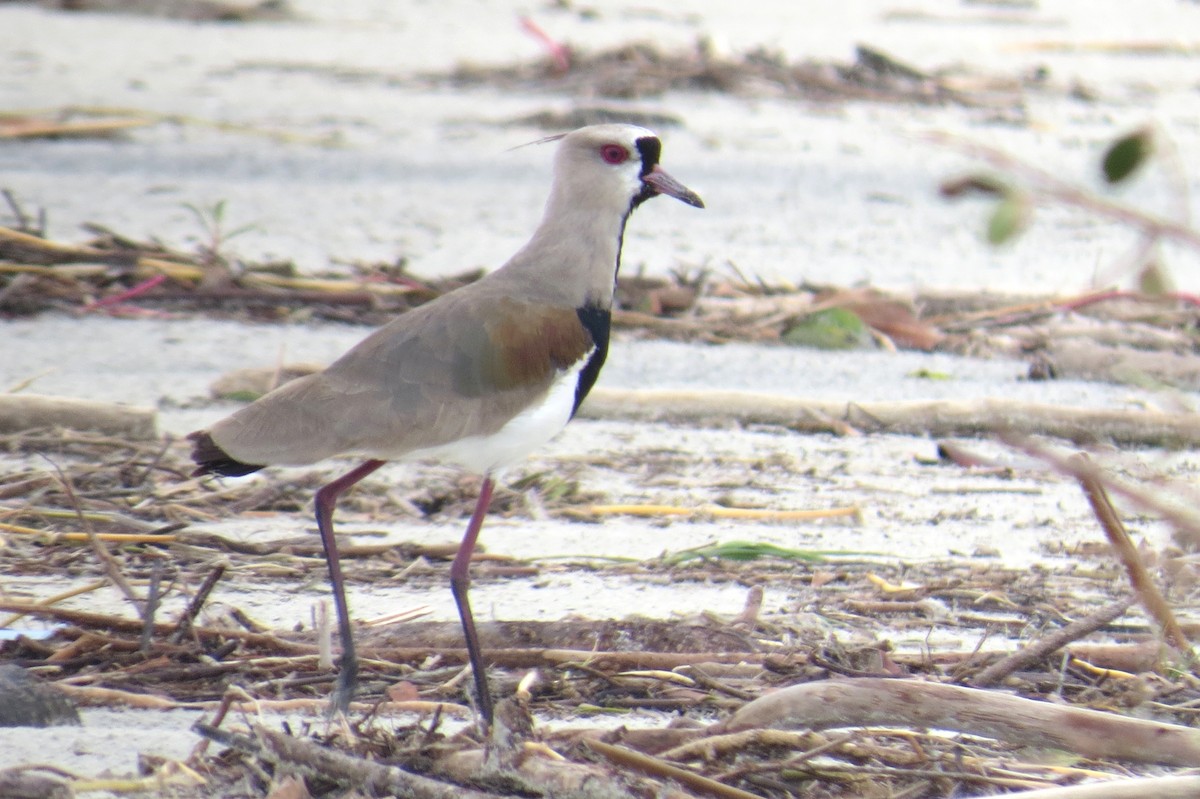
x=478, y=378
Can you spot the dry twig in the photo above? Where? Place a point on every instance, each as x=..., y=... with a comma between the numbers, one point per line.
x=1049, y=644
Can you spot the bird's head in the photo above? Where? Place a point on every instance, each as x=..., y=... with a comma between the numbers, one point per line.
x=616, y=165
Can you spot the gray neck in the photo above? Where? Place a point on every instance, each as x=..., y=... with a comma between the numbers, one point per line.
x=573, y=256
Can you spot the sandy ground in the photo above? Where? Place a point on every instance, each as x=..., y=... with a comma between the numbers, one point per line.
x=795, y=191
x=841, y=194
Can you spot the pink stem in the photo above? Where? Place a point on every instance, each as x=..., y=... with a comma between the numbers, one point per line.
x=1076, y=303
x=558, y=53
x=114, y=299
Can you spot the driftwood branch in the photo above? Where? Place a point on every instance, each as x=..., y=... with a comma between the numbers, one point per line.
x=21, y=412
x=869, y=702
x=1089, y=360
x=1158, y=787
x=939, y=418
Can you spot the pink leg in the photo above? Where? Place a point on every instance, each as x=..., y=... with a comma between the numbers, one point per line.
x=460, y=581
x=326, y=501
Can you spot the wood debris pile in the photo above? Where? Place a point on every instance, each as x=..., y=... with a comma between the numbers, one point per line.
x=846, y=726
x=880, y=680
x=642, y=69
x=1107, y=335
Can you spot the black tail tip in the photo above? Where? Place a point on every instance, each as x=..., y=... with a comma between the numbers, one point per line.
x=211, y=459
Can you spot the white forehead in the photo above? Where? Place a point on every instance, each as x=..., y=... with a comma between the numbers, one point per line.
x=626, y=134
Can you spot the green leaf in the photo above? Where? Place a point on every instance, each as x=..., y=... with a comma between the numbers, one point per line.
x=930, y=374
x=744, y=551
x=1155, y=279
x=830, y=329
x=240, y=395
x=1126, y=154
x=1009, y=219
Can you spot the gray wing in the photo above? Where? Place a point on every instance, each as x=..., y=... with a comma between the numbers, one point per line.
x=461, y=366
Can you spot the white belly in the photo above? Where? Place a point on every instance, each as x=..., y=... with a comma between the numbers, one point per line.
x=521, y=435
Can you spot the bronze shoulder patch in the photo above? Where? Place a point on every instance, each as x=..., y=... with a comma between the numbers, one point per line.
x=526, y=345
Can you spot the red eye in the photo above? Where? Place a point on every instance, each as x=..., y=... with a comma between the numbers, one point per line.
x=614, y=154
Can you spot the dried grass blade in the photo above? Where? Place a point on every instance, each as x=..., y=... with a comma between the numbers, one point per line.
x=627, y=758
x=1143, y=584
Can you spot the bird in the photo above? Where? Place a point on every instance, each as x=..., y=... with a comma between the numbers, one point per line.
x=477, y=378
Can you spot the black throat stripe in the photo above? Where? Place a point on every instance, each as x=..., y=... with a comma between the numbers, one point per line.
x=594, y=318
x=598, y=322
x=650, y=148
